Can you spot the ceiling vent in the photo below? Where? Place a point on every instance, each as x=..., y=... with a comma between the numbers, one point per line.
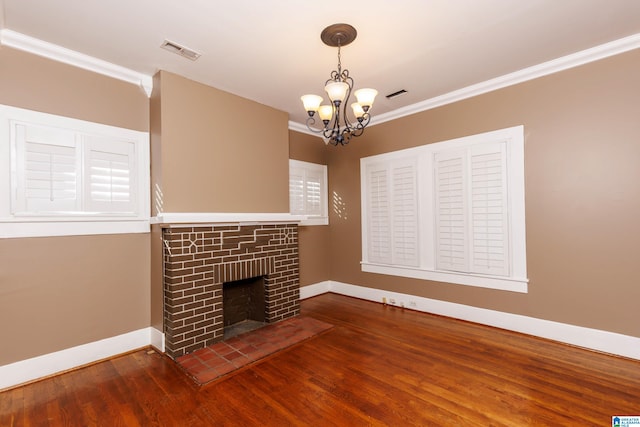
x=180, y=50
x=396, y=93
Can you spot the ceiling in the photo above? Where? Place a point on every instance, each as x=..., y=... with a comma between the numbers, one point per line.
x=271, y=52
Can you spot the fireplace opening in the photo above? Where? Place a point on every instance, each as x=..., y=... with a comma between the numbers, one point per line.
x=243, y=306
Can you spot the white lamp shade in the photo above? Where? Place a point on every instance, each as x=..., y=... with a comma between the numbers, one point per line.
x=357, y=110
x=326, y=112
x=311, y=102
x=336, y=90
x=366, y=96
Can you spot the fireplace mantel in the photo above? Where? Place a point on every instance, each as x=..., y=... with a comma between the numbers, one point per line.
x=245, y=218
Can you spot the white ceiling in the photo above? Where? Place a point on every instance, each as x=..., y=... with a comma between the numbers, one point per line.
x=271, y=52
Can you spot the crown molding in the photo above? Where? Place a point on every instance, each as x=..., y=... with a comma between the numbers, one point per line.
x=57, y=53
x=550, y=67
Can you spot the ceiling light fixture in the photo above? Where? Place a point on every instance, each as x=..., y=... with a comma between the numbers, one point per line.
x=338, y=129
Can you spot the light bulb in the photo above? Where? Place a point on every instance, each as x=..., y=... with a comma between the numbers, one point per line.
x=311, y=103
x=336, y=91
x=366, y=97
x=326, y=112
x=357, y=110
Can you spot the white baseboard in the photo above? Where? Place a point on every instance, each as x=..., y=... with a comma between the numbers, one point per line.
x=157, y=339
x=48, y=364
x=316, y=289
x=594, y=339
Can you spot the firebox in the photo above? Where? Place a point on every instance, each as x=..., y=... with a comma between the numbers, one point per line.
x=243, y=306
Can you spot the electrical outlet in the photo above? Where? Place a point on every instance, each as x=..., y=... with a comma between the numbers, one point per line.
x=384, y=300
x=392, y=301
x=402, y=304
x=412, y=304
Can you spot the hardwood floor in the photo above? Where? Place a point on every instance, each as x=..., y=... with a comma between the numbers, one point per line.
x=379, y=366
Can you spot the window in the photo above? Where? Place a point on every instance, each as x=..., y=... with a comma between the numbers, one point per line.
x=64, y=176
x=308, y=192
x=452, y=211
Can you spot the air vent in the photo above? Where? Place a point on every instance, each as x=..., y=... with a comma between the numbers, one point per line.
x=396, y=93
x=180, y=50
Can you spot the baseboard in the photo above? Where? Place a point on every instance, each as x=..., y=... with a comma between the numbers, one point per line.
x=594, y=339
x=49, y=364
x=315, y=289
x=157, y=339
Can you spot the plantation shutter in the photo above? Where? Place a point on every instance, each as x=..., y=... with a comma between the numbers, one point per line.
x=296, y=191
x=405, y=214
x=110, y=173
x=313, y=192
x=379, y=214
x=47, y=169
x=489, y=220
x=392, y=220
x=308, y=192
x=451, y=211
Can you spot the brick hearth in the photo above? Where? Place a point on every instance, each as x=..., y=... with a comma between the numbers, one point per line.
x=198, y=260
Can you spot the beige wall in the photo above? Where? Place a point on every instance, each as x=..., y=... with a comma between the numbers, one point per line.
x=61, y=292
x=582, y=145
x=313, y=240
x=220, y=152
x=57, y=293
x=32, y=82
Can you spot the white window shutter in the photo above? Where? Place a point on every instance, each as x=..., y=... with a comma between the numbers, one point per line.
x=451, y=211
x=313, y=193
x=308, y=192
x=489, y=226
x=47, y=169
x=379, y=214
x=111, y=176
x=296, y=191
x=405, y=214
x=468, y=206
x=392, y=213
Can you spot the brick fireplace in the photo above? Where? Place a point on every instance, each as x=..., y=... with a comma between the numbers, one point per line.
x=199, y=260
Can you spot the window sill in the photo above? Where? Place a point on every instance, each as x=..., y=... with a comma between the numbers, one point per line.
x=15, y=229
x=491, y=282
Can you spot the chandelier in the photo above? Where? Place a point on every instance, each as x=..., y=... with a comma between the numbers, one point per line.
x=338, y=128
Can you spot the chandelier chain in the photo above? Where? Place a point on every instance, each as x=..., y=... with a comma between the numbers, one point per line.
x=339, y=62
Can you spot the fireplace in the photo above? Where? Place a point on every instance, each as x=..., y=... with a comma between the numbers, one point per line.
x=199, y=262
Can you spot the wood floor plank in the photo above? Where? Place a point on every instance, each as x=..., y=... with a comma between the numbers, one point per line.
x=379, y=366
x=12, y=407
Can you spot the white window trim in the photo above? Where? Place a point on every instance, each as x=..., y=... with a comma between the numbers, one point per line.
x=517, y=281
x=311, y=219
x=26, y=224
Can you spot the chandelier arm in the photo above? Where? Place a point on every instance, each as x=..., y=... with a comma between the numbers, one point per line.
x=335, y=77
x=366, y=118
x=312, y=121
x=349, y=81
x=334, y=131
